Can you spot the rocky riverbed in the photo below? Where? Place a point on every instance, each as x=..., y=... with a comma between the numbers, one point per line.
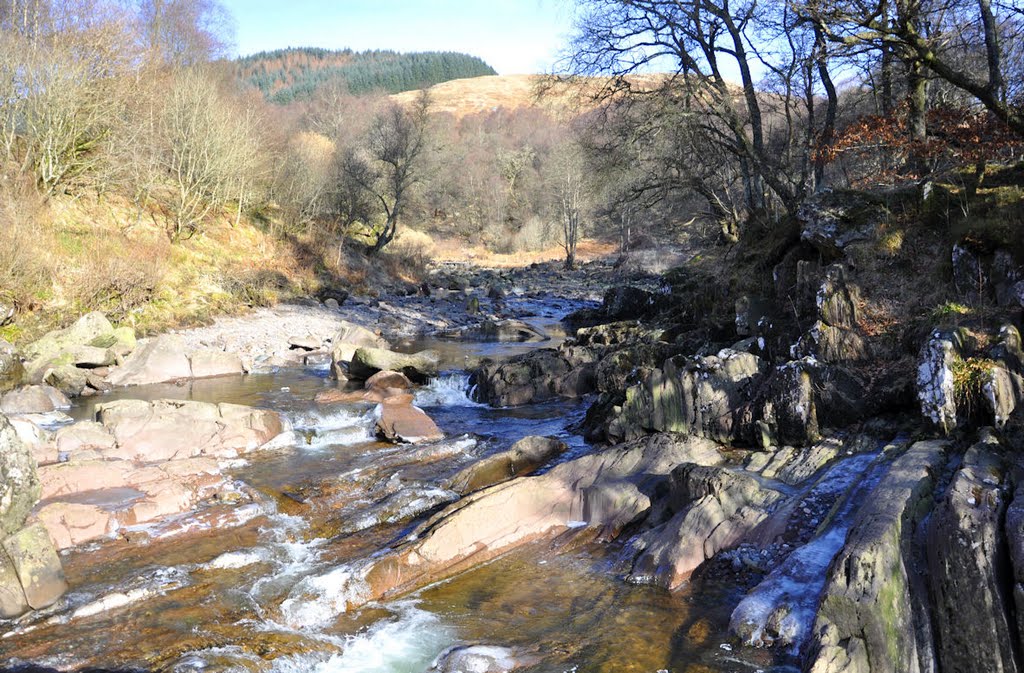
x=530, y=470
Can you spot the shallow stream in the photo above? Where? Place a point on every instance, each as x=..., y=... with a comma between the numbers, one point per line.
x=260, y=586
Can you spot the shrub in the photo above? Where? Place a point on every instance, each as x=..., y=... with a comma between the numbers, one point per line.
x=970, y=376
x=535, y=234
x=414, y=247
x=24, y=275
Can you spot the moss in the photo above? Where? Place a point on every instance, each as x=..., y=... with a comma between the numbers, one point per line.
x=891, y=605
x=949, y=313
x=11, y=333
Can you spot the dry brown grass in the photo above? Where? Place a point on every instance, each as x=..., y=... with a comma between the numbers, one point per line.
x=453, y=250
x=463, y=97
x=24, y=254
x=70, y=256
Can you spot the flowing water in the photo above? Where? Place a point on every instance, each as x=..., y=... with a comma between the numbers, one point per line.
x=264, y=586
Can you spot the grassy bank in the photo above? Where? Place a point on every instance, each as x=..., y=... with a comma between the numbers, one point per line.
x=68, y=256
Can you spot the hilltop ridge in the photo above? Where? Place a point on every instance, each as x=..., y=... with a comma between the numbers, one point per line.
x=297, y=73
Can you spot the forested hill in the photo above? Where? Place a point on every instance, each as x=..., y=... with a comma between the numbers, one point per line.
x=292, y=74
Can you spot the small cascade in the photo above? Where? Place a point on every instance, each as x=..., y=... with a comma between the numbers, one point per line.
x=451, y=389
x=317, y=600
x=407, y=643
x=322, y=427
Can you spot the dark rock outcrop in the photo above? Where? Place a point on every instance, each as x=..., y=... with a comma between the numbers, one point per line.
x=537, y=376
x=702, y=397
x=833, y=220
x=967, y=567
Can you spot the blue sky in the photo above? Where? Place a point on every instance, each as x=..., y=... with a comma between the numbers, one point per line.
x=513, y=36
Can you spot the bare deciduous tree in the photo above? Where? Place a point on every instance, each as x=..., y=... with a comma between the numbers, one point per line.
x=762, y=128
x=964, y=42
x=206, y=148
x=183, y=32
x=570, y=193
x=388, y=164
x=62, y=68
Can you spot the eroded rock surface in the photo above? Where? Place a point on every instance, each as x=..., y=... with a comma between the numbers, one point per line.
x=722, y=507
x=494, y=520
x=523, y=457
x=419, y=367
x=865, y=622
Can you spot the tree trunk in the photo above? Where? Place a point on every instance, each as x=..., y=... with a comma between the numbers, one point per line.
x=387, y=235
x=917, y=84
x=831, y=109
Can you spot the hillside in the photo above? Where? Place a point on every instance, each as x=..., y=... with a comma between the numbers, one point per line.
x=463, y=97
x=286, y=75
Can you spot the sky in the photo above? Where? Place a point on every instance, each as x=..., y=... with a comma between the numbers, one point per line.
x=513, y=36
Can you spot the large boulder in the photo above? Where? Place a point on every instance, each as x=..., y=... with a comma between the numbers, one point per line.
x=419, y=367
x=350, y=338
x=398, y=420
x=628, y=303
x=539, y=375
x=865, y=621
x=68, y=379
x=33, y=400
x=787, y=413
x=173, y=429
x=90, y=342
x=388, y=380
x=89, y=330
x=19, y=484
x=525, y=456
x=12, y=597
x=37, y=565
x=719, y=509
x=966, y=548
x=159, y=360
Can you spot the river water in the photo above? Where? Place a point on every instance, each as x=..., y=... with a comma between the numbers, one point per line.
x=260, y=586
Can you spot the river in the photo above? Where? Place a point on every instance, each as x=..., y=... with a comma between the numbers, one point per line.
x=261, y=587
